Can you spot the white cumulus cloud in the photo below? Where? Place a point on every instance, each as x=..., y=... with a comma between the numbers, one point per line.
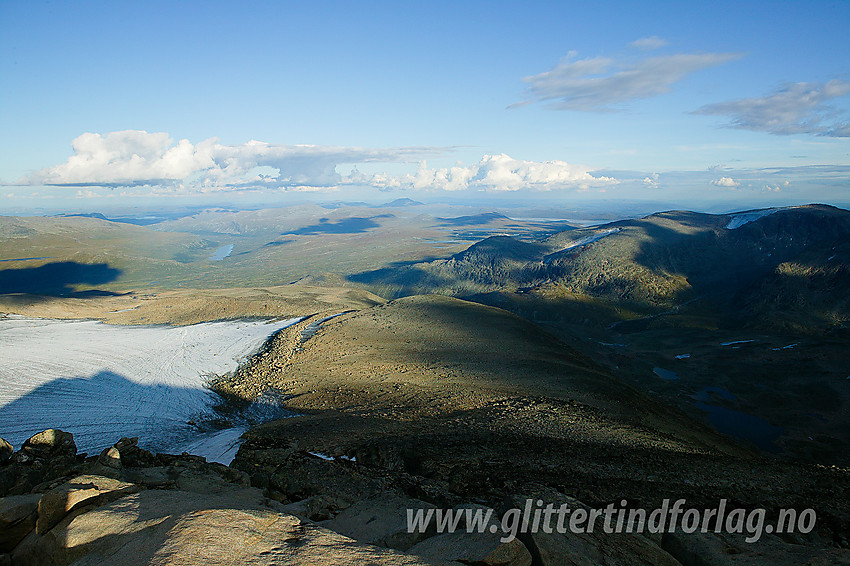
x=496, y=173
x=727, y=182
x=135, y=157
x=651, y=181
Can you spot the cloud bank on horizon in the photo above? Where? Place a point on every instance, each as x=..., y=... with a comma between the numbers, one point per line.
x=135, y=157
x=143, y=164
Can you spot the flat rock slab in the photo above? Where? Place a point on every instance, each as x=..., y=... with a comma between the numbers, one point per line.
x=76, y=493
x=176, y=527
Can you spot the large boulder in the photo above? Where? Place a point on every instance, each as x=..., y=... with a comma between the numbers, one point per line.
x=587, y=549
x=319, y=507
x=721, y=549
x=80, y=491
x=44, y=458
x=380, y=520
x=6, y=451
x=481, y=549
x=50, y=443
x=17, y=519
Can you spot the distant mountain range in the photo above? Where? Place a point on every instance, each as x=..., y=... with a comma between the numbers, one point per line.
x=784, y=266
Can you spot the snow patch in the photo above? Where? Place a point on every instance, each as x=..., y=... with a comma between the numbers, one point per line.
x=590, y=239
x=218, y=447
x=322, y=456
x=583, y=242
x=331, y=458
x=740, y=218
x=102, y=381
x=310, y=330
x=125, y=310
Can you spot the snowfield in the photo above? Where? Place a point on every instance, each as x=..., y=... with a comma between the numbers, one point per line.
x=101, y=381
x=590, y=239
x=740, y=218
x=583, y=242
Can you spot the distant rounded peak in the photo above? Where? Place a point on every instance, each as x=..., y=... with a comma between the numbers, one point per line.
x=679, y=215
x=819, y=206
x=794, y=214
x=503, y=246
x=404, y=201
x=800, y=207
x=500, y=241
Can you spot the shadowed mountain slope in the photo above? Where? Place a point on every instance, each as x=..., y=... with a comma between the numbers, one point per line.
x=459, y=400
x=755, y=261
x=424, y=360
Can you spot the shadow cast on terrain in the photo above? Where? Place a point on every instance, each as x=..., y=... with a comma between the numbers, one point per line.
x=354, y=225
x=403, y=281
x=476, y=220
x=391, y=274
x=100, y=409
x=276, y=243
x=486, y=266
x=57, y=279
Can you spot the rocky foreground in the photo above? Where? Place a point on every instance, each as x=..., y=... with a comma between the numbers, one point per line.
x=128, y=506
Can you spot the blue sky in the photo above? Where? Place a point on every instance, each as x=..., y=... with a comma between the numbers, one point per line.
x=683, y=102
